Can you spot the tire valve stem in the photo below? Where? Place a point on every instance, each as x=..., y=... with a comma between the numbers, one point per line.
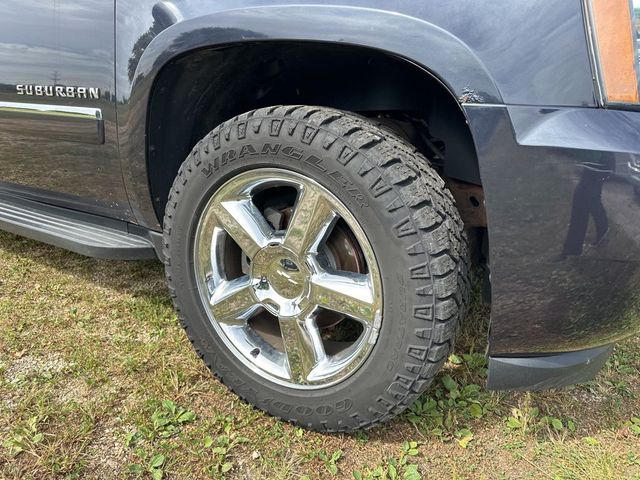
x=255, y=352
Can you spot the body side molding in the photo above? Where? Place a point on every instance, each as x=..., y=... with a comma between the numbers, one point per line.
x=75, y=124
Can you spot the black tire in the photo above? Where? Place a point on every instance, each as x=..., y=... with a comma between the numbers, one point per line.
x=413, y=226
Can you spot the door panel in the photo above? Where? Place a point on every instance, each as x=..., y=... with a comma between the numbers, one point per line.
x=58, y=139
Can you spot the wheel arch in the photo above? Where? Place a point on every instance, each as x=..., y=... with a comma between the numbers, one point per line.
x=385, y=33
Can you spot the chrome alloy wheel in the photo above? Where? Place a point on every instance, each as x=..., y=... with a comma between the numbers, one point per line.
x=275, y=294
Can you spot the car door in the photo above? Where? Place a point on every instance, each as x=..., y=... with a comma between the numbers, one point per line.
x=58, y=139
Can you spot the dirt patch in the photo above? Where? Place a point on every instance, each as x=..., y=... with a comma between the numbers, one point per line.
x=27, y=367
x=105, y=455
x=75, y=390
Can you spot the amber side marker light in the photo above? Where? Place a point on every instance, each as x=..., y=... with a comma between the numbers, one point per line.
x=615, y=44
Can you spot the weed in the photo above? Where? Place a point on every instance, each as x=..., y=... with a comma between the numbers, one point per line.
x=154, y=467
x=331, y=461
x=166, y=421
x=25, y=438
x=453, y=404
x=394, y=468
x=221, y=448
x=634, y=425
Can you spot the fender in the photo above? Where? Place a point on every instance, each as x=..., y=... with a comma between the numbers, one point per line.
x=445, y=56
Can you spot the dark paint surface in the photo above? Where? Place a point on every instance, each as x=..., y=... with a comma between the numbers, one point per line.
x=564, y=225
x=463, y=43
x=544, y=41
x=61, y=42
x=552, y=164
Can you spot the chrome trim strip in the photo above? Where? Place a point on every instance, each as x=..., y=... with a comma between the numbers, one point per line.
x=61, y=122
x=84, y=112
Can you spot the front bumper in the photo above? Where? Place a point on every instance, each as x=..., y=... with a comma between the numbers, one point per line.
x=564, y=229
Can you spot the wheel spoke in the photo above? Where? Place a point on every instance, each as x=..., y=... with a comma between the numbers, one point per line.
x=303, y=346
x=312, y=219
x=348, y=293
x=246, y=225
x=231, y=299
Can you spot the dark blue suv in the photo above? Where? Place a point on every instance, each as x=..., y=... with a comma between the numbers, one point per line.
x=324, y=181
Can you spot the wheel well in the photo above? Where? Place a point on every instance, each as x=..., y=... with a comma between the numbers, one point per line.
x=196, y=92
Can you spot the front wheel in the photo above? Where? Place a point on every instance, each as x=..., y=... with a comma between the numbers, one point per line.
x=317, y=263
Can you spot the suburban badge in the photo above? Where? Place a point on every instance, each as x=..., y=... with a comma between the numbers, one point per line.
x=58, y=91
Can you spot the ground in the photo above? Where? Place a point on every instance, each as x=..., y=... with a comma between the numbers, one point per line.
x=97, y=380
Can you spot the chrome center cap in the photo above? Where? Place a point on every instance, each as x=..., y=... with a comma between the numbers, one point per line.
x=280, y=280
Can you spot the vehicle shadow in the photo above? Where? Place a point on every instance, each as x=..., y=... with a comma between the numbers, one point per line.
x=122, y=276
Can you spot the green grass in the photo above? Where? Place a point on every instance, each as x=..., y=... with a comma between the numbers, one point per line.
x=97, y=380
